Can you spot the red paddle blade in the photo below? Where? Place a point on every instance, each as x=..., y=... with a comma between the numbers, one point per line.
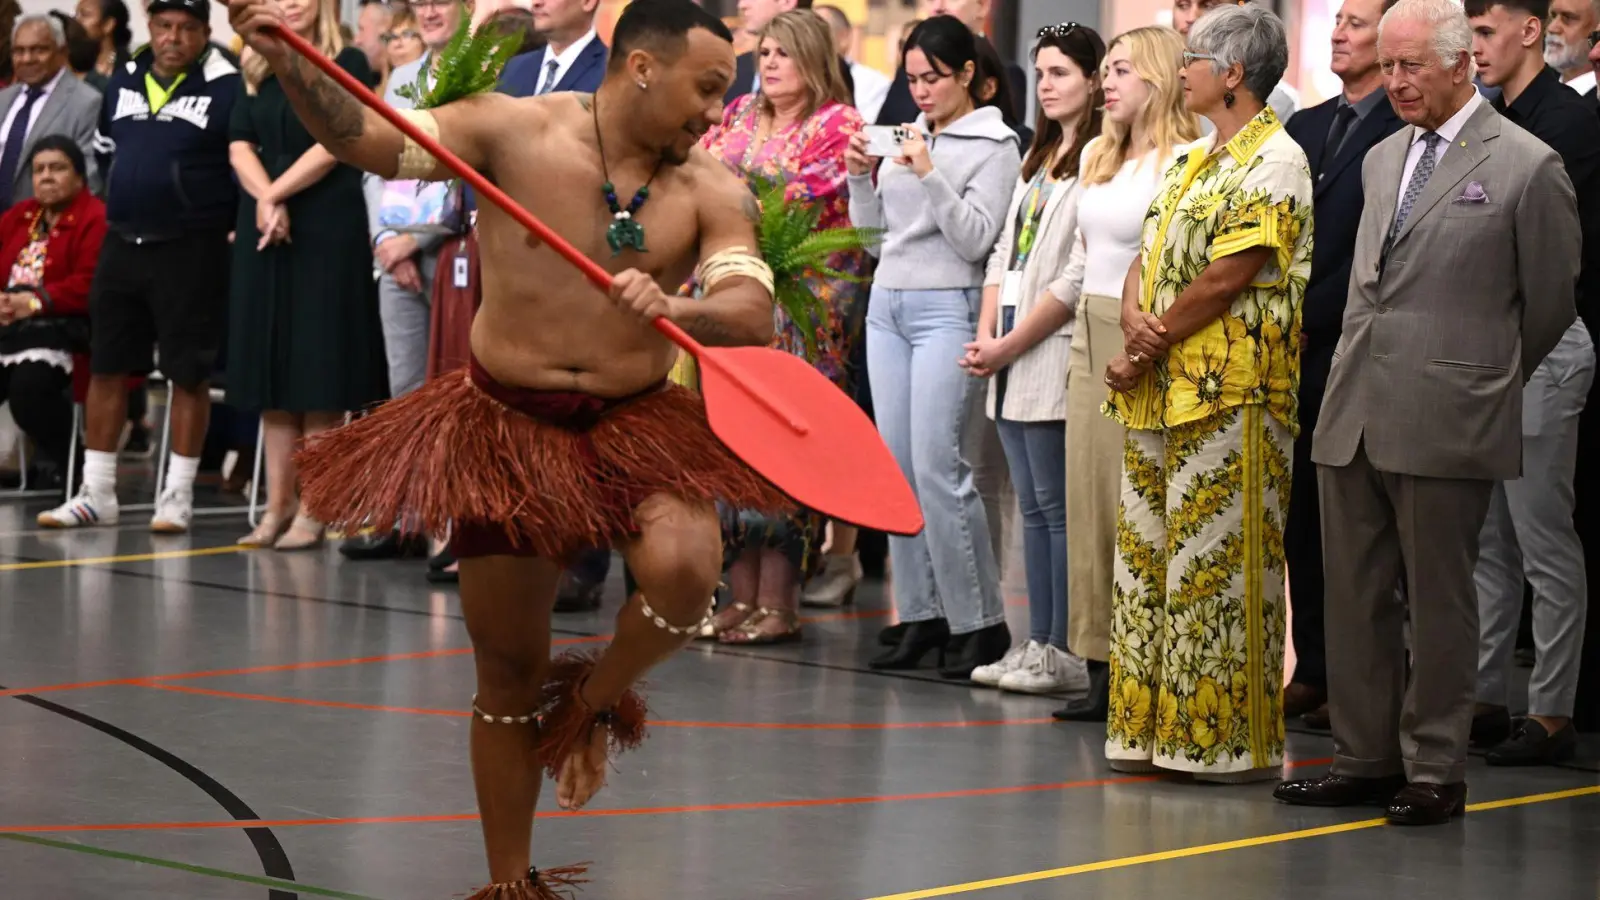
x=799, y=431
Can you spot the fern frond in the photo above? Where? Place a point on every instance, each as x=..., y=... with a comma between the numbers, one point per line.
x=470, y=63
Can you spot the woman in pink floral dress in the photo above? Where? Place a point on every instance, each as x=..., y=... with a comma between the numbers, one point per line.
x=795, y=130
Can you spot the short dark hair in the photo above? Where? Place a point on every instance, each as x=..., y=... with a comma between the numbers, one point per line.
x=662, y=27
x=82, y=50
x=949, y=45
x=1539, y=9
x=64, y=145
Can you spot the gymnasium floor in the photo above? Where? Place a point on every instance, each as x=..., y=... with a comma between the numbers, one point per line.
x=186, y=722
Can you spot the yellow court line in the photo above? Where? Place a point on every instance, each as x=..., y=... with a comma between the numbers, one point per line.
x=137, y=557
x=1204, y=849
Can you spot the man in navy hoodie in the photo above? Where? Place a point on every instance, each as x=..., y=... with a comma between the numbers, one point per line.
x=162, y=279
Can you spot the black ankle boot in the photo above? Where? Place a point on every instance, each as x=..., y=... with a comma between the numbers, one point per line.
x=915, y=642
x=979, y=648
x=1096, y=705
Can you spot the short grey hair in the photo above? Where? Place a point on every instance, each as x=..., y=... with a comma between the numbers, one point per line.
x=58, y=33
x=1452, y=32
x=1250, y=36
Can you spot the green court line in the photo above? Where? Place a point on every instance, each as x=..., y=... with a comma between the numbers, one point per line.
x=185, y=867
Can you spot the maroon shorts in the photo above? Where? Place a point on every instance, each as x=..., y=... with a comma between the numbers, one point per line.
x=518, y=472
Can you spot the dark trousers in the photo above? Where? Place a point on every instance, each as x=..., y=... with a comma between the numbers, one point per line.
x=40, y=396
x=1302, y=531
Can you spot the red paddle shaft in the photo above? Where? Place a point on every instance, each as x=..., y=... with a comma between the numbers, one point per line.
x=598, y=276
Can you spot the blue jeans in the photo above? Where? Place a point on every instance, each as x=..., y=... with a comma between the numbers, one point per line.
x=1036, y=453
x=923, y=403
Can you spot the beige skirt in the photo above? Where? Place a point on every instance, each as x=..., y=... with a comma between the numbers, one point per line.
x=1094, y=472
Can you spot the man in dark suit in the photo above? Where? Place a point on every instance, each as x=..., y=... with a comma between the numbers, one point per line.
x=573, y=58
x=1336, y=136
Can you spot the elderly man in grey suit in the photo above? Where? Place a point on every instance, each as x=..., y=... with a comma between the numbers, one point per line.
x=46, y=99
x=1465, y=270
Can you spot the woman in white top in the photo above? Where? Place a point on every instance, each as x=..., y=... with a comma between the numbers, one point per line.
x=1146, y=122
x=1022, y=345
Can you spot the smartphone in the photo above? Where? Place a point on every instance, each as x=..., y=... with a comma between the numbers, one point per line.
x=884, y=141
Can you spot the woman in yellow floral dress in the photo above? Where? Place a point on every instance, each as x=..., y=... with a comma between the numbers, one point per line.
x=1206, y=388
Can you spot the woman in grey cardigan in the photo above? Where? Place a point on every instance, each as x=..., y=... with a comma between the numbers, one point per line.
x=941, y=204
x=1024, y=342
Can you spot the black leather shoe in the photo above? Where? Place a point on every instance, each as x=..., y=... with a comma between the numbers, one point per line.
x=1096, y=706
x=915, y=642
x=891, y=635
x=1490, y=729
x=380, y=545
x=1340, y=790
x=1532, y=745
x=966, y=652
x=1420, y=803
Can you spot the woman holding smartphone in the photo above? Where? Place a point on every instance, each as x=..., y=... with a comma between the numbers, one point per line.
x=941, y=203
x=1024, y=335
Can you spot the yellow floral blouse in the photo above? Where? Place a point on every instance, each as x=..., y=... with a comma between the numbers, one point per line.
x=1253, y=192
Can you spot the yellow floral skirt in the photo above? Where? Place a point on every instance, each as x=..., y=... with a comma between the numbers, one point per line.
x=1197, y=625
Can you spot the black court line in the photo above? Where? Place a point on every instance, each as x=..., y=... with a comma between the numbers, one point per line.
x=274, y=861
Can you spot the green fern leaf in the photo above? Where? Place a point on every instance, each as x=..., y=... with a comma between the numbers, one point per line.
x=470, y=64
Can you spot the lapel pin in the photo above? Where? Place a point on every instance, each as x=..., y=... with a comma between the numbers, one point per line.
x=1463, y=143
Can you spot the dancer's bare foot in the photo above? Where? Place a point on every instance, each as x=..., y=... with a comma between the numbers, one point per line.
x=583, y=773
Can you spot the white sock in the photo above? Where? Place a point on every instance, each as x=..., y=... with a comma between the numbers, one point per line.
x=181, y=471
x=100, y=473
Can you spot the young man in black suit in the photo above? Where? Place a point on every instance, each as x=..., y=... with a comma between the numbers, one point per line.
x=1336, y=136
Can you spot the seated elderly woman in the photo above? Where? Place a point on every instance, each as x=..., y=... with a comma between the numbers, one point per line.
x=1206, y=387
x=48, y=247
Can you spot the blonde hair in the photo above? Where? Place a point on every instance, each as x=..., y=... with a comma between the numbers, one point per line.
x=327, y=39
x=1157, y=54
x=809, y=42
x=397, y=24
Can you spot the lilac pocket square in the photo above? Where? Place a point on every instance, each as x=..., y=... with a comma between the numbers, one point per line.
x=1473, y=193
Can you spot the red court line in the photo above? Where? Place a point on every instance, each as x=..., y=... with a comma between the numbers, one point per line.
x=145, y=680
x=640, y=811
x=462, y=714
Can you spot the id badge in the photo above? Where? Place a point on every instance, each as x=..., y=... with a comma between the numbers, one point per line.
x=459, y=272
x=1010, y=299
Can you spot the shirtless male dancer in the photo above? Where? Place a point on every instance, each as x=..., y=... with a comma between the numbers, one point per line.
x=563, y=433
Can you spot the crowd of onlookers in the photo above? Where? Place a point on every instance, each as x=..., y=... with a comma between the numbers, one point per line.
x=1189, y=346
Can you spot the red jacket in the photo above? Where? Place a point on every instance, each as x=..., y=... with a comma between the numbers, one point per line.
x=70, y=258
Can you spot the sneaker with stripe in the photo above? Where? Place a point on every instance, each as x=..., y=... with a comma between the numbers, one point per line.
x=84, y=509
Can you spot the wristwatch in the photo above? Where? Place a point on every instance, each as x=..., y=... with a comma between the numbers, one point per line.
x=35, y=304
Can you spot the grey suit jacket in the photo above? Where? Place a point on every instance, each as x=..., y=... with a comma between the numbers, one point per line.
x=72, y=109
x=1439, y=338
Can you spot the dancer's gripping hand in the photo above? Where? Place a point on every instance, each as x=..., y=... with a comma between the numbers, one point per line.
x=636, y=293
x=254, y=20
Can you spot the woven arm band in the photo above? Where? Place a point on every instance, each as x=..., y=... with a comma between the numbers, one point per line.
x=415, y=162
x=734, y=262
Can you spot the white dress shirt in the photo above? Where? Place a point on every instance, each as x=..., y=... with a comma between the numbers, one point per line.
x=872, y=88
x=563, y=61
x=1448, y=131
x=1584, y=83
x=33, y=112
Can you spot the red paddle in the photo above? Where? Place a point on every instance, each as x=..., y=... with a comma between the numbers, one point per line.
x=772, y=409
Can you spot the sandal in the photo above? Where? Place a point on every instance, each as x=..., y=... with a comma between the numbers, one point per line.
x=751, y=632
x=729, y=617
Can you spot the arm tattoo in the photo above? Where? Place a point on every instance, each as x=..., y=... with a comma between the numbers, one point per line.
x=751, y=209
x=338, y=116
x=707, y=330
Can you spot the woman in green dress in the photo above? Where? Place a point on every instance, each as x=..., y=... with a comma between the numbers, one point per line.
x=305, y=340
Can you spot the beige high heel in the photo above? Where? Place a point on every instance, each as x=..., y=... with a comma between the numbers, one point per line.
x=305, y=534
x=267, y=532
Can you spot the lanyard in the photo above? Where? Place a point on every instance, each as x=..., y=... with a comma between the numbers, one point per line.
x=156, y=94
x=1028, y=232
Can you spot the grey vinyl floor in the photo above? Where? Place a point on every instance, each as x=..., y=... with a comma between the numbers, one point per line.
x=182, y=721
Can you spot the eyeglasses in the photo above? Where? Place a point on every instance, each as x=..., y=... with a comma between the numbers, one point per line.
x=388, y=36
x=1189, y=56
x=1594, y=38
x=1057, y=31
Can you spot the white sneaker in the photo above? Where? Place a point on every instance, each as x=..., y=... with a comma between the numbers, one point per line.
x=85, y=509
x=1050, y=671
x=174, y=511
x=1015, y=658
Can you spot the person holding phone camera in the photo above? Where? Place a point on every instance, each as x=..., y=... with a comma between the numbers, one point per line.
x=941, y=203
x=1023, y=345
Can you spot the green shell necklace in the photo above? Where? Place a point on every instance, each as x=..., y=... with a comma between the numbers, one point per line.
x=625, y=230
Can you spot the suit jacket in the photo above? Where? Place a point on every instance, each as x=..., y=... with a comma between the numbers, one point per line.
x=744, y=76
x=72, y=109
x=521, y=76
x=1440, y=337
x=1336, y=211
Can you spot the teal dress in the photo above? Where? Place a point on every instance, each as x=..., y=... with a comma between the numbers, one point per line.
x=304, y=334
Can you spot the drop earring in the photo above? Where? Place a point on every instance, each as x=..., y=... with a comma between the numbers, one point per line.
x=1227, y=99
